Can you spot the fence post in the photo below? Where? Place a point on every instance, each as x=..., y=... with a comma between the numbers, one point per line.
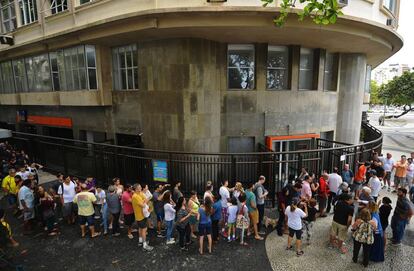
x=233, y=168
x=273, y=178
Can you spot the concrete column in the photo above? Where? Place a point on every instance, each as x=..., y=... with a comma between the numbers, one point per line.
x=350, y=97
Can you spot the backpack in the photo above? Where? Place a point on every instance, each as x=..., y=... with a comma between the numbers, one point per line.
x=364, y=233
x=62, y=187
x=242, y=222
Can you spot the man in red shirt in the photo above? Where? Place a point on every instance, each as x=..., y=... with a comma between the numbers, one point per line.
x=323, y=194
x=360, y=178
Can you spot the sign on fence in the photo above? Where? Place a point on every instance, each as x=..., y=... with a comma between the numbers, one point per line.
x=160, y=170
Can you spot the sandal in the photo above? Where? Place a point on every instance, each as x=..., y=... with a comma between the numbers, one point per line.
x=244, y=244
x=289, y=248
x=258, y=238
x=96, y=235
x=299, y=253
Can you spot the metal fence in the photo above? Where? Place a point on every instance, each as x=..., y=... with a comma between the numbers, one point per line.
x=104, y=161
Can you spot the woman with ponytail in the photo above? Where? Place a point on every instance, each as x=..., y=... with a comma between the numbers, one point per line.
x=295, y=215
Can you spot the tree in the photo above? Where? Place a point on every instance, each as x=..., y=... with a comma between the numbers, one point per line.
x=321, y=12
x=375, y=98
x=399, y=92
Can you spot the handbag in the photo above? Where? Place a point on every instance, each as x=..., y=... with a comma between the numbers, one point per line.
x=242, y=222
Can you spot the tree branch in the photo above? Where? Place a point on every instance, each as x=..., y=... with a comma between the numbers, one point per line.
x=407, y=109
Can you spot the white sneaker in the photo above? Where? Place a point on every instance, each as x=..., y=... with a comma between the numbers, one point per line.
x=171, y=241
x=140, y=240
x=147, y=247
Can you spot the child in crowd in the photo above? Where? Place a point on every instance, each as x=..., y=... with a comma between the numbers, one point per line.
x=310, y=219
x=231, y=221
x=204, y=227
x=100, y=199
x=243, y=218
x=216, y=217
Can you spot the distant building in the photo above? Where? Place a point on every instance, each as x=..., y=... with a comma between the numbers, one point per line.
x=384, y=74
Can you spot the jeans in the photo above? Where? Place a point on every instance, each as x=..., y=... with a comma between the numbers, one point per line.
x=260, y=208
x=215, y=233
x=398, y=228
x=170, y=226
x=366, y=249
x=331, y=200
x=115, y=223
x=185, y=235
x=105, y=216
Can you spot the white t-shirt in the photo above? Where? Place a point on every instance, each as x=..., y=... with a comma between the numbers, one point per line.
x=410, y=171
x=375, y=185
x=69, y=192
x=334, y=181
x=233, y=210
x=208, y=194
x=295, y=218
x=225, y=196
x=100, y=197
x=24, y=175
x=388, y=164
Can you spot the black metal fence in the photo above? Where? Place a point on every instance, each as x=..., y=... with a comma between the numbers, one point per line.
x=104, y=161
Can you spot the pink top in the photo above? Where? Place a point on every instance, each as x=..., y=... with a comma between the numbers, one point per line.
x=126, y=203
x=306, y=190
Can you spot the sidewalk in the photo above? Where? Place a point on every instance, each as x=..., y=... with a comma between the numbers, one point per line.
x=319, y=257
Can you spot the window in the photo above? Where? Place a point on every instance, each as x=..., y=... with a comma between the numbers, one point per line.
x=28, y=11
x=84, y=1
x=306, y=69
x=6, y=77
x=277, y=67
x=330, y=79
x=91, y=67
x=391, y=5
x=8, y=16
x=38, y=73
x=240, y=66
x=20, y=78
x=125, y=67
x=57, y=6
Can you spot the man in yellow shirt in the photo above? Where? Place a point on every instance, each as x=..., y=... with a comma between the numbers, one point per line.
x=10, y=188
x=139, y=203
x=86, y=211
x=400, y=173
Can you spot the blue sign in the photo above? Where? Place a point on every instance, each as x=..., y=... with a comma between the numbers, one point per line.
x=160, y=170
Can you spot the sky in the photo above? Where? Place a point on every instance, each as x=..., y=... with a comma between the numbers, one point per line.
x=405, y=29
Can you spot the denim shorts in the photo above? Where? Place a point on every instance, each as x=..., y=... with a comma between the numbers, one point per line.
x=204, y=229
x=89, y=219
x=160, y=216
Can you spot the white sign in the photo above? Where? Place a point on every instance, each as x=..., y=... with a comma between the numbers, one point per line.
x=343, y=157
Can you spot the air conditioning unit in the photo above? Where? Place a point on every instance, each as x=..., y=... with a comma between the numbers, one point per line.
x=392, y=23
x=342, y=3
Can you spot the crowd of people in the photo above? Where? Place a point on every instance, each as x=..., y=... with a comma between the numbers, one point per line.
x=227, y=213
x=356, y=202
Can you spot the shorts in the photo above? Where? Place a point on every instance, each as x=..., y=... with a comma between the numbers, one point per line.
x=322, y=203
x=67, y=209
x=410, y=180
x=298, y=233
x=129, y=219
x=83, y=219
x=142, y=224
x=387, y=176
x=254, y=217
x=399, y=181
x=340, y=231
x=28, y=214
x=160, y=216
x=204, y=229
x=356, y=186
x=11, y=199
x=192, y=220
x=233, y=224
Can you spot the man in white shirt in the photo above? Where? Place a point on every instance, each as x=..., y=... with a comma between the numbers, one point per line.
x=375, y=184
x=225, y=197
x=23, y=173
x=410, y=172
x=334, y=181
x=388, y=164
x=67, y=192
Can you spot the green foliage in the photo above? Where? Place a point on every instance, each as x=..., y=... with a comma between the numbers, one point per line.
x=399, y=91
x=375, y=97
x=321, y=12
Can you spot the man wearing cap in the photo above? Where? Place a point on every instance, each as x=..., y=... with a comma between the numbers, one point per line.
x=374, y=183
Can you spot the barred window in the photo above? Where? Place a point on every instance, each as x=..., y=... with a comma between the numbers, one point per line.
x=20, y=78
x=6, y=77
x=8, y=16
x=57, y=6
x=38, y=73
x=125, y=68
x=330, y=79
x=277, y=67
x=28, y=10
x=306, y=69
x=241, y=66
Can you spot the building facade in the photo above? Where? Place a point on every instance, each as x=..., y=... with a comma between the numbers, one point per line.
x=193, y=75
x=384, y=74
